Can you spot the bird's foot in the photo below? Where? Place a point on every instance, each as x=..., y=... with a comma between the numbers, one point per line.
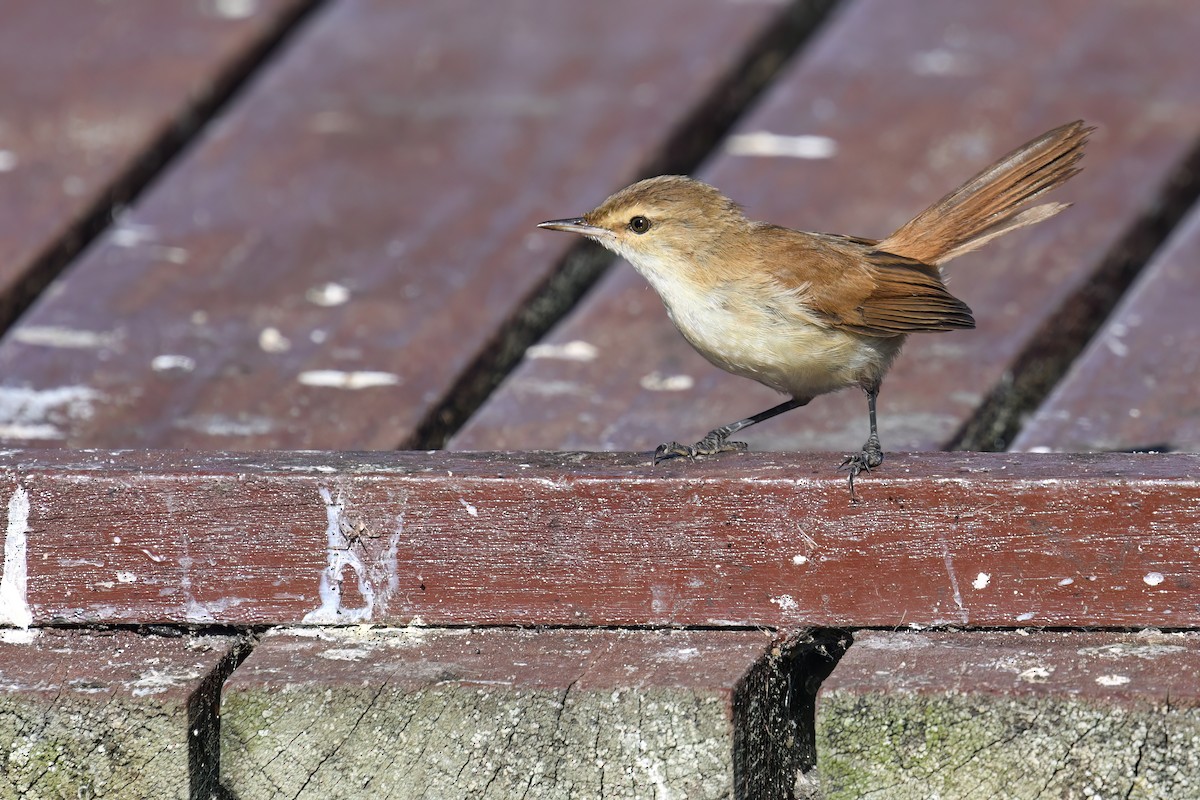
x=865, y=460
x=715, y=442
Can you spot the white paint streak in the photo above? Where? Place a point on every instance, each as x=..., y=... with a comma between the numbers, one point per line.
x=170, y=362
x=1028, y=615
x=570, y=351
x=342, y=552
x=982, y=580
x=1112, y=680
x=328, y=294
x=66, y=338
x=765, y=143
x=657, y=382
x=27, y=413
x=221, y=425
x=20, y=431
x=14, y=602
x=958, y=601
x=235, y=9
x=270, y=340
x=131, y=234
x=1066, y=581
x=1153, y=578
x=337, y=379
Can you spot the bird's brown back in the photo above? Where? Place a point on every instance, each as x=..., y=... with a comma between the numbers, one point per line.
x=857, y=287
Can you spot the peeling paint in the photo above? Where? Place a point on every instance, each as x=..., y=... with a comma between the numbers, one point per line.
x=657, y=382
x=328, y=295
x=154, y=681
x=223, y=425
x=765, y=143
x=172, y=362
x=785, y=602
x=27, y=413
x=337, y=379
x=1112, y=680
x=65, y=338
x=569, y=351
x=270, y=340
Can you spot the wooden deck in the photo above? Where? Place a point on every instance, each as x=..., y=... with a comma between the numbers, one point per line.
x=298, y=408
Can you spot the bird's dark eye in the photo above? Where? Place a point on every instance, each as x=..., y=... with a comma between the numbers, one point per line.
x=639, y=224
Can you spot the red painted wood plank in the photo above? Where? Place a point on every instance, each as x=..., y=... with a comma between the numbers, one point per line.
x=90, y=90
x=1134, y=388
x=110, y=713
x=979, y=539
x=912, y=98
x=332, y=255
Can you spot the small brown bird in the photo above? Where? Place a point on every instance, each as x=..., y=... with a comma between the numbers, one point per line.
x=810, y=313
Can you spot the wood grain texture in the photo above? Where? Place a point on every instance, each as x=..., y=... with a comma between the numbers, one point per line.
x=339, y=247
x=578, y=539
x=1154, y=667
x=1011, y=715
x=507, y=713
x=1134, y=388
x=90, y=89
x=110, y=714
x=912, y=98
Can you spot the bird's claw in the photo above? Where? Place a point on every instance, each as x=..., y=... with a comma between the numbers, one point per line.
x=665, y=452
x=865, y=460
x=710, y=445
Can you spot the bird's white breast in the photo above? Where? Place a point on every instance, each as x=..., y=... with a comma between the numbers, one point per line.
x=780, y=342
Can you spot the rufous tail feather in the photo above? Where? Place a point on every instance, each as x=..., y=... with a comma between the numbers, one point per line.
x=995, y=201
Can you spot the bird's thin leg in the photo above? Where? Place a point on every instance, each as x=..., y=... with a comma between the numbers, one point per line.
x=871, y=455
x=717, y=440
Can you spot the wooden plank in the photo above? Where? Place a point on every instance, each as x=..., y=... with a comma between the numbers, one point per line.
x=508, y=713
x=913, y=97
x=111, y=713
x=339, y=248
x=82, y=122
x=1134, y=388
x=574, y=539
x=1011, y=714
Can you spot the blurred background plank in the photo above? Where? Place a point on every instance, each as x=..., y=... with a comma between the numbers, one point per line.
x=896, y=104
x=92, y=97
x=1135, y=387
x=336, y=251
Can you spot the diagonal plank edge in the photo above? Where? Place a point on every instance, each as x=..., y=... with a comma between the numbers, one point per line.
x=984, y=540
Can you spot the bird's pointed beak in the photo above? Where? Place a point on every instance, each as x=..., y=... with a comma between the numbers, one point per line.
x=574, y=225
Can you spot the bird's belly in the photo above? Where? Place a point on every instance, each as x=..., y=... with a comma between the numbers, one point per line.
x=796, y=354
